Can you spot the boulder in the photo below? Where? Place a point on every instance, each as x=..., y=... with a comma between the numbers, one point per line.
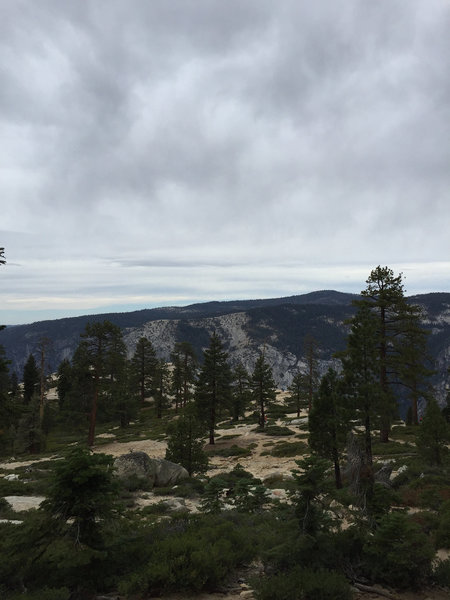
x=383, y=475
x=137, y=468
x=168, y=473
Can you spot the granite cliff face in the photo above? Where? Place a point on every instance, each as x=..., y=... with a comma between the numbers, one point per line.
x=277, y=326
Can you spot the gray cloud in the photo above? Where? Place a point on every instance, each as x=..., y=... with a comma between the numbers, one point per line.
x=216, y=149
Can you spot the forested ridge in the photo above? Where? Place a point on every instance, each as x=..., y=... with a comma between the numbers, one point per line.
x=366, y=501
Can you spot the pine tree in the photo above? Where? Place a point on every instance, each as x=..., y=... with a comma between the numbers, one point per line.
x=64, y=381
x=162, y=386
x=241, y=391
x=263, y=387
x=184, y=373
x=329, y=422
x=384, y=296
x=7, y=412
x=29, y=435
x=31, y=379
x=434, y=434
x=185, y=443
x=103, y=353
x=143, y=368
x=213, y=391
x=299, y=392
x=361, y=363
x=412, y=358
x=83, y=494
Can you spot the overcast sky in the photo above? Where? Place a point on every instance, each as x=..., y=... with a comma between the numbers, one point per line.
x=172, y=151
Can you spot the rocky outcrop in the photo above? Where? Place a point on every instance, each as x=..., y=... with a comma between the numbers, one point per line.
x=137, y=469
x=168, y=473
x=275, y=326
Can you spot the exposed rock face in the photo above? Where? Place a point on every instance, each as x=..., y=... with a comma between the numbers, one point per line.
x=137, y=467
x=276, y=326
x=19, y=503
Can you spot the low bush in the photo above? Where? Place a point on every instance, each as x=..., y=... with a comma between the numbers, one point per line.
x=303, y=584
x=282, y=449
x=233, y=451
x=441, y=573
x=276, y=430
x=398, y=554
x=193, y=554
x=443, y=528
x=276, y=412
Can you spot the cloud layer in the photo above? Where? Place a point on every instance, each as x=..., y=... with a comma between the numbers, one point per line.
x=167, y=152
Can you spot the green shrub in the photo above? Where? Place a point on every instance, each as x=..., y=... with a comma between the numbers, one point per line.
x=276, y=430
x=195, y=554
x=443, y=528
x=188, y=488
x=276, y=412
x=441, y=573
x=284, y=449
x=427, y=521
x=233, y=451
x=303, y=584
x=391, y=449
x=399, y=554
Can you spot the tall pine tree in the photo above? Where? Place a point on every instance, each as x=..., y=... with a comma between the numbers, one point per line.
x=384, y=296
x=103, y=353
x=213, y=391
x=143, y=368
x=329, y=422
x=263, y=387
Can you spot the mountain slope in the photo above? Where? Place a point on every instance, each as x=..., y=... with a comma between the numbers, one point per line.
x=277, y=325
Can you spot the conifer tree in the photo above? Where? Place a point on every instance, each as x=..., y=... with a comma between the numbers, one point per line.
x=103, y=353
x=64, y=381
x=213, y=391
x=263, y=387
x=384, y=296
x=185, y=443
x=241, y=391
x=413, y=358
x=361, y=371
x=299, y=392
x=401, y=342
x=31, y=379
x=184, y=373
x=162, y=386
x=434, y=434
x=143, y=368
x=329, y=422
x=7, y=412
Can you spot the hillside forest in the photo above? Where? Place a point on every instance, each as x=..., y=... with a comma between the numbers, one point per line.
x=363, y=509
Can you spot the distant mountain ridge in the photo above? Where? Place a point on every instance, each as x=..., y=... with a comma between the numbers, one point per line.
x=279, y=325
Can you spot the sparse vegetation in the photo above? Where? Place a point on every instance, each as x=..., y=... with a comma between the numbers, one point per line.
x=93, y=537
